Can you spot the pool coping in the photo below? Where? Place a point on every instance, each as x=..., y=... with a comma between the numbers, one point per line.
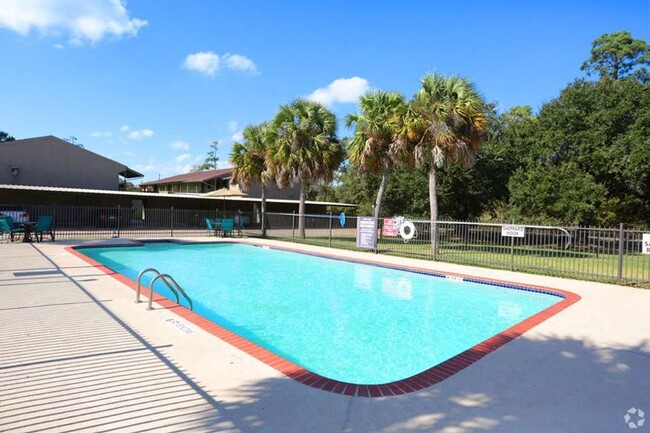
x=424, y=379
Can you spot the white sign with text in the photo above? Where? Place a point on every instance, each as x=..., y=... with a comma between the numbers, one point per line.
x=513, y=231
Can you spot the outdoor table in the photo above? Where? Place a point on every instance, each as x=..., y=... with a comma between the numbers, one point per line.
x=29, y=227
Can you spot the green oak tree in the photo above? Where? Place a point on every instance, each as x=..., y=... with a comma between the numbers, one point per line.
x=555, y=194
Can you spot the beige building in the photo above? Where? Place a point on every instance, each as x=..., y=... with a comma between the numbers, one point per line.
x=202, y=182
x=53, y=162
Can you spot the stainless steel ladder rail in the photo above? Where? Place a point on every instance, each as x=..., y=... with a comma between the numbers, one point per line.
x=169, y=282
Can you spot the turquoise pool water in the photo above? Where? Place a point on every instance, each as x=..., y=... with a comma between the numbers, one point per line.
x=346, y=321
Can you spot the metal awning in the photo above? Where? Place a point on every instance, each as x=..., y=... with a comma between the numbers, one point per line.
x=130, y=173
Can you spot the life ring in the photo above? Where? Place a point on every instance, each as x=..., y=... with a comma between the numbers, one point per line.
x=407, y=235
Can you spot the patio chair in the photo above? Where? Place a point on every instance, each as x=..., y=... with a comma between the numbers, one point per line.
x=227, y=226
x=212, y=228
x=9, y=229
x=43, y=225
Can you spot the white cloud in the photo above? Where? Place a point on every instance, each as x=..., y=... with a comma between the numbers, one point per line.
x=58, y=46
x=205, y=62
x=179, y=145
x=81, y=21
x=240, y=63
x=98, y=134
x=342, y=90
x=237, y=136
x=140, y=134
x=232, y=126
x=124, y=128
x=183, y=157
x=208, y=63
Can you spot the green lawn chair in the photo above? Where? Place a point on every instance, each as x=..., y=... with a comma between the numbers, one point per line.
x=227, y=226
x=43, y=225
x=211, y=227
x=8, y=228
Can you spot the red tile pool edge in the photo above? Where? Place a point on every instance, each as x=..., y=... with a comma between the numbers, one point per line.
x=422, y=380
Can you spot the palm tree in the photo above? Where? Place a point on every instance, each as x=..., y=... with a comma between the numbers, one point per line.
x=250, y=162
x=304, y=148
x=378, y=141
x=449, y=125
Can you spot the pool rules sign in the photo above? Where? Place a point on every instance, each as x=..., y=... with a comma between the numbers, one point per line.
x=366, y=232
x=645, y=244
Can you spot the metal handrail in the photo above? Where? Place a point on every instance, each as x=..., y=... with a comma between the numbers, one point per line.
x=167, y=279
x=140, y=275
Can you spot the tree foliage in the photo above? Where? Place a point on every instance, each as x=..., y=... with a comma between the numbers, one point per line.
x=211, y=159
x=554, y=194
x=380, y=139
x=448, y=125
x=250, y=161
x=4, y=136
x=603, y=128
x=583, y=158
x=304, y=148
x=618, y=55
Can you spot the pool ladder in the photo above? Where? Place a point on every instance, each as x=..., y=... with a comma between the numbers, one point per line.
x=169, y=282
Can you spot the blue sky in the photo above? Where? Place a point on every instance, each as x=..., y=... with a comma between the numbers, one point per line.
x=151, y=83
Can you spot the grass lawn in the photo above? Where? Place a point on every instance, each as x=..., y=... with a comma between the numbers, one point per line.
x=538, y=260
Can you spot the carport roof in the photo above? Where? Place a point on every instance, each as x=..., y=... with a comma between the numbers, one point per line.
x=151, y=194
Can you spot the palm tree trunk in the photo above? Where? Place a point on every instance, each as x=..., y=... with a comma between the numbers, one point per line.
x=433, y=204
x=263, y=206
x=301, y=211
x=382, y=188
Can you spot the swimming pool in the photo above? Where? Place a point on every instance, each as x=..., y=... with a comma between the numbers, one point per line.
x=350, y=322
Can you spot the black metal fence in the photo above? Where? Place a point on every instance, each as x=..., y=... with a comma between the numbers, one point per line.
x=602, y=254
x=88, y=222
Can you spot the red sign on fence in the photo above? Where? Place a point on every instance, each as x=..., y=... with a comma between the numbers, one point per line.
x=389, y=228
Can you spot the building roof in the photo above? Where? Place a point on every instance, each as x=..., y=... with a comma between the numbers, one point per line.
x=197, y=176
x=125, y=172
x=151, y=194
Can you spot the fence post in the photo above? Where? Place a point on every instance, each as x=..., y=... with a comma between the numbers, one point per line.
x=330, y=229
x=119, y=219
x=512, y=252
x=621, y=234
x=293, y=225
x=434, y=233
x=172, y=222
x=512, y=249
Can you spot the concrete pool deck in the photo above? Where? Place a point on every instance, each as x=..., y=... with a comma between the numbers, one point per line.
x=77, y=354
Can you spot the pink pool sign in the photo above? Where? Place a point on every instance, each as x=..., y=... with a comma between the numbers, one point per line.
x=390, y=228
